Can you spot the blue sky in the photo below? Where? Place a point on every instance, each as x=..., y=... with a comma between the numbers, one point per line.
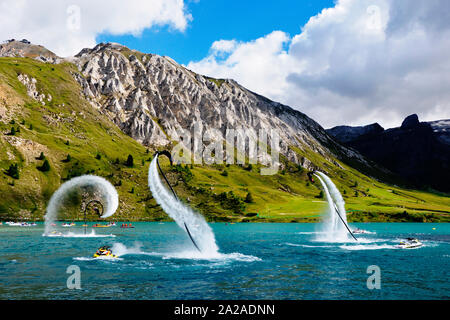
x=358, y=62
x=222, y=19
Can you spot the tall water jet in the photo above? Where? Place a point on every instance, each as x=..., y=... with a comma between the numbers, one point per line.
x=186, y=218
x=95, y=186
x=335, y=226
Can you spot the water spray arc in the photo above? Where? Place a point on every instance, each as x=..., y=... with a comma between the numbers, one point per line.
x=167, y=154
x=102, y=188
x=335, y=202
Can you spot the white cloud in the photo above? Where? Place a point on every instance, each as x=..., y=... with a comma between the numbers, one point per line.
x=67, y=26
x=356, y=63
x=260, y=65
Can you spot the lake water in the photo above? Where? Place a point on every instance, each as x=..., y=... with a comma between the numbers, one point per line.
x=257, y=261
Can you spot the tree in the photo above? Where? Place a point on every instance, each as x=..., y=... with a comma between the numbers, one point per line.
x=249, y=198
x=68, y=158
x=132, y=190
x=31, y=127
x=13, y=171
x=41, y=156
x=12, y=132
x=98, y=156
x=67, y=143
x=249, y=167
x=45, y=166
x=130, y=161
x=224, y=173
x=320, y=196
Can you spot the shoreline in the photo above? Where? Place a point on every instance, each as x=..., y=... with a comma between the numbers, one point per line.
x=228, y=222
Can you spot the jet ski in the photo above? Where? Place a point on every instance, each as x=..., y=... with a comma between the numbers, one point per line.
x=104, y=251
x=409, y=243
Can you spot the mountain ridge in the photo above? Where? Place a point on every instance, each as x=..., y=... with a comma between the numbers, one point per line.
x=417, y=151
x=111, y=101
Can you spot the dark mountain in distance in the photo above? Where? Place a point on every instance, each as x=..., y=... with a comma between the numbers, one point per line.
x=347, y=133
x=417, y=151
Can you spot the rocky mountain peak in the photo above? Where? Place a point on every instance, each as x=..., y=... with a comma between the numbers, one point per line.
x=410, y=121
x=151, y=98
x=25, y=49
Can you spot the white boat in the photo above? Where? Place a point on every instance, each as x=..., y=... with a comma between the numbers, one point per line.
x=14, y=224
x=409, y=243
x=66, y=225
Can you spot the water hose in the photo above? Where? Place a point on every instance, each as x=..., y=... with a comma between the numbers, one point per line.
x=167, y=154
x=340, y=217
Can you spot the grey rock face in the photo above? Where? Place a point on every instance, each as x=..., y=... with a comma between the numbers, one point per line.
x=24, y=49
x=30, y=84
x=151, y=97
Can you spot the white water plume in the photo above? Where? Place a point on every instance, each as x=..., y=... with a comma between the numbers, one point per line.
x=200, y=230
x=103, y=188
x=334, y=229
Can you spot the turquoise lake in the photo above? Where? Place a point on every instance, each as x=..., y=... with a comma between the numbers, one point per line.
x=257, y=261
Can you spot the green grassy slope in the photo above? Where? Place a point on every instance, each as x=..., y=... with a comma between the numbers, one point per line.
x=70, y=125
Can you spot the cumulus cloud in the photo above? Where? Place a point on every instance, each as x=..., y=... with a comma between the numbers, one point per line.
x=67, y=26
x=260, y=65
x=356, y=63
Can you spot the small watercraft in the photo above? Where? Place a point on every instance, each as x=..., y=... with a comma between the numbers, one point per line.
x=409, y=243
x=359, y=231
x=126, y=225
x=68, y=224
x=16, y=224
x=104, y=251
x=100, y=226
